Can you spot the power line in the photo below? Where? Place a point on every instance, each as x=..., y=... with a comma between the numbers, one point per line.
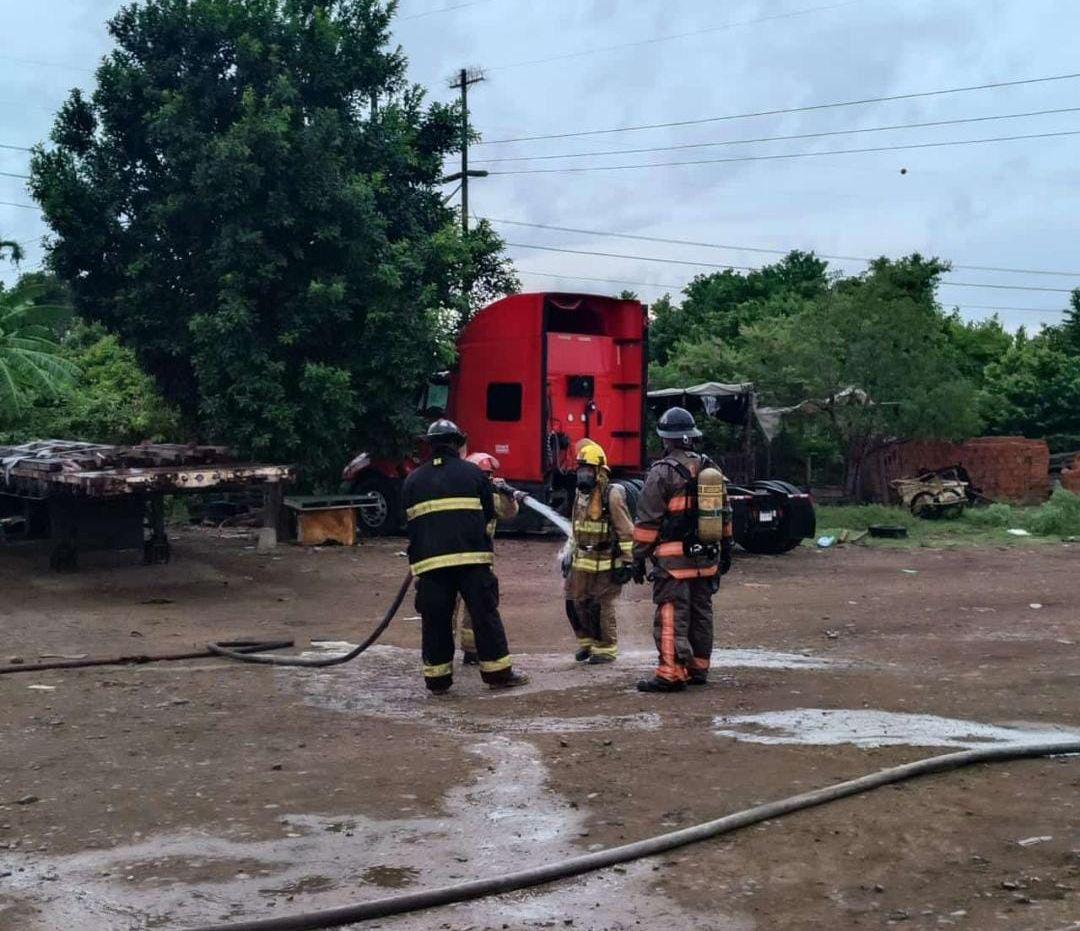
x=818, y=135
x=15, y=148
x=769, y=158
x=676, y=287
x=8, y=203
x=714, y=245
x=649, y=258
x=9, y=174
x=782, y=110
x=673, y=36
x=45, y=64
x=444, y=9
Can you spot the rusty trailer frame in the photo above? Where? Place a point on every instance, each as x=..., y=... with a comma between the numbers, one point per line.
x=100, y=497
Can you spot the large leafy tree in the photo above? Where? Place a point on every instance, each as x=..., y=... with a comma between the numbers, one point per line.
x=717, y=306
x=1033, y=388
x=249, y=199
x=881, y=333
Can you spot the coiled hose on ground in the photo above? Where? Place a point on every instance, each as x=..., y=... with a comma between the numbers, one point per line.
x=575, y=866
x=224, y=649
x=239, y=647
x=246, y=651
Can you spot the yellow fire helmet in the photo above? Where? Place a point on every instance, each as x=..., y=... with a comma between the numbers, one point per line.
x=592, y=454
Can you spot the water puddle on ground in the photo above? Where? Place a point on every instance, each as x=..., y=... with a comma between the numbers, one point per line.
x=506, y=819
x=866, y=728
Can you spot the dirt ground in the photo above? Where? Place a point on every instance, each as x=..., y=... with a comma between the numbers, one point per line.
x=180, y=794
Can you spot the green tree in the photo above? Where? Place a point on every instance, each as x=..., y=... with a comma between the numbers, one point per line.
x=250, y=200
x=717, y=306
x=978, y=343
x=1034, y=389
x=110, y=401
x=30, y=363
x=881, y=333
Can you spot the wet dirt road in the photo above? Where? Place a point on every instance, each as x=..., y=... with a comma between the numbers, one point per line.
x=172, y=795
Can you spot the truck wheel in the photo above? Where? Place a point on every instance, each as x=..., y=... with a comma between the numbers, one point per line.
x=385, y=516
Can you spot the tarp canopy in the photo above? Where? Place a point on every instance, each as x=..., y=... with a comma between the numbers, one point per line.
x=729, y=403
x=769, y=418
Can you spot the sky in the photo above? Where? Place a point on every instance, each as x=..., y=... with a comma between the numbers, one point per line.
x=571, y=66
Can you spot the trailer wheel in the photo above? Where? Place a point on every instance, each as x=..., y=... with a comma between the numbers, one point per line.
x=385, y=516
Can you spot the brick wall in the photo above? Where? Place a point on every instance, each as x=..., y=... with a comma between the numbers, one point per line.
x=1070, y=477
x=1006, y=468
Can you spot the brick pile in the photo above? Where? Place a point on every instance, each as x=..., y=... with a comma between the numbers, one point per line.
x=1006, y=468
x=1070, y=476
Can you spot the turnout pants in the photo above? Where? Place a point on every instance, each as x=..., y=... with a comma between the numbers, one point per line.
x=683, y=627
x=590, y=608
x=437, y=592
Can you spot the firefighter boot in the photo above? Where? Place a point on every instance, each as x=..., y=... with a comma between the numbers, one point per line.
x=699, y=678
x=598, y=659
x=511, y=681
x=470, y=658
x=656, y=684
x=582, y=655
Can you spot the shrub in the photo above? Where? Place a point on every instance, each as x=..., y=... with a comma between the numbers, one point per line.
x=1060, y=516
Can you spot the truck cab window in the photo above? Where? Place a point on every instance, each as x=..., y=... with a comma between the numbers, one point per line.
x=504, y=401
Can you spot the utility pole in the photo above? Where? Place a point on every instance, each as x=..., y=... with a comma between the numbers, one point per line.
x=464, y=79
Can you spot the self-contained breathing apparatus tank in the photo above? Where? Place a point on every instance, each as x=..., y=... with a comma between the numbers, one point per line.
x=712, y=509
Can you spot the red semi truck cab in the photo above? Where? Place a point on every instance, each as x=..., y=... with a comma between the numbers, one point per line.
x=535, y=374
x=538, y=372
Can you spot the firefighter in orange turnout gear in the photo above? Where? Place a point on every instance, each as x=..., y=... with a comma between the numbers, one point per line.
x=506, y=508
x=600, y=560
x=448, y=504
x=689, y=542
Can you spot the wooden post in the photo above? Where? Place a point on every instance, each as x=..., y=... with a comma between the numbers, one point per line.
x=274, y=516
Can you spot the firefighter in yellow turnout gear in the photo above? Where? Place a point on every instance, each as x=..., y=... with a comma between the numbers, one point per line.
x=684, y=527
x=506, y=508
x=600, y=558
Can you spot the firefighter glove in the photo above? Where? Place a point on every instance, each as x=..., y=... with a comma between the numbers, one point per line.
x=520, y=496
x=622, y=574
x=726, y=547
x=639, y=572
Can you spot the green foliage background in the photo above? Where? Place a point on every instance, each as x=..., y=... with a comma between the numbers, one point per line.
x=249, y=200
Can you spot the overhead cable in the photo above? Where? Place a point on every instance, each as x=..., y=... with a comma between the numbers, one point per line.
x=9, y=203
x=678, y=287
x=801, y=109
x=665, y=261
x=788, y=138
x=715, y=245
x=783, y=155
x=672, y=37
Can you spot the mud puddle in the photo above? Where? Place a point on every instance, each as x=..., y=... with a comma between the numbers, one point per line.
x=867, y=728
x=507, y=819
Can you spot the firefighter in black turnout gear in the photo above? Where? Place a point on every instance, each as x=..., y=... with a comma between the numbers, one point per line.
x=448, y=504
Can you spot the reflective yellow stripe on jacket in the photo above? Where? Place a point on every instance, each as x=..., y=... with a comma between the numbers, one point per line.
x=453, y=559
x=443, y=504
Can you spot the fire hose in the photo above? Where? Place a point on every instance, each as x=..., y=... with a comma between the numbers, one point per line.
x=254, y=651
x=576, y=866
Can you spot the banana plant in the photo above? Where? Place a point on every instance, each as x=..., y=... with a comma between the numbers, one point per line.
x=30, y=360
